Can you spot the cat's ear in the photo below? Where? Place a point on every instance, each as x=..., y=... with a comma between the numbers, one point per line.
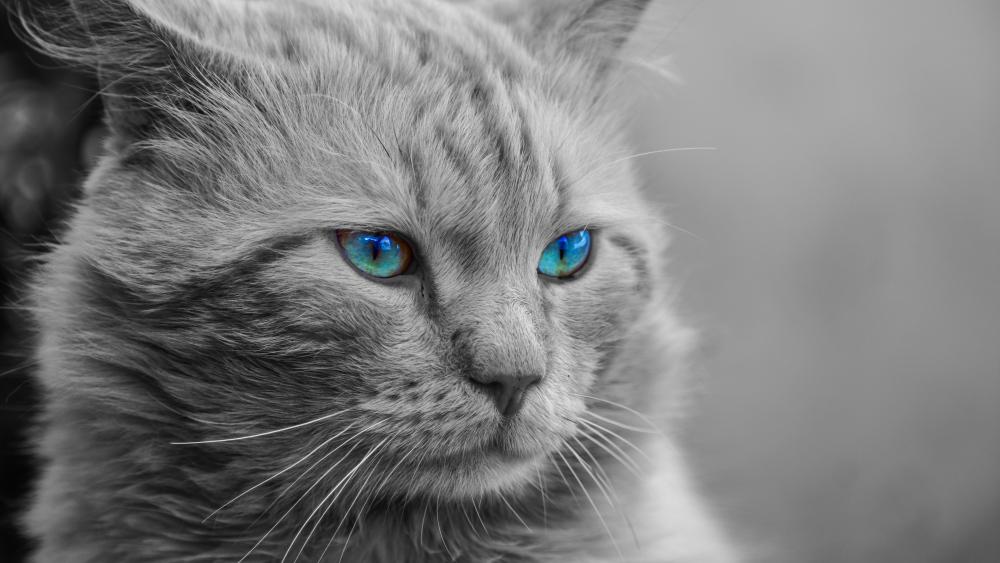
x=147, y=66
x=595, y=29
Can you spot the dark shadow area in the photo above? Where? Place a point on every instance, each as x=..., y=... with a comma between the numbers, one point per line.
x=49, y=132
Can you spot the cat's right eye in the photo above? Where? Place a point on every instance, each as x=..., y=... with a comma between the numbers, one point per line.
x=380, y=255
x=566, y=255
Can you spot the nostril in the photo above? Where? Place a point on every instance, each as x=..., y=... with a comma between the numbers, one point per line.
x=507, y=390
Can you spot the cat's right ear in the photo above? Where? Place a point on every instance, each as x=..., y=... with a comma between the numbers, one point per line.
x=148, y=70
x=594, y=30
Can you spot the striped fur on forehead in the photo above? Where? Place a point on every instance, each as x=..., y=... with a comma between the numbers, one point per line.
x=476, y=121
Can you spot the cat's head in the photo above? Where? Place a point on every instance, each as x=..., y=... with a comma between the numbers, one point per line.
x=334, y=213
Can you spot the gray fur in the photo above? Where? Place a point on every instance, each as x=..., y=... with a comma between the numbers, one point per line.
x=198, y=294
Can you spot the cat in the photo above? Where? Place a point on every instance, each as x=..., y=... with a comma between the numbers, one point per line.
x=360, y=280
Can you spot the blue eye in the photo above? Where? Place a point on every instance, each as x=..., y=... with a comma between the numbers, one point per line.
x=382, y=255
x=565, y=256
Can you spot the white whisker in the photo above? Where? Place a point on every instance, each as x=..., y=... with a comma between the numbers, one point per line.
x=590, y=499
x=268, y=433
x=479, y=516
x=371, y=495
x=333, y=494
x=607, y=165
x=468, y=520
x=283, y=471
x=641, y=416
x=516, y=515
x=622, y=425
x=544, y=496
x=323, y=514
x=625, y=458
x=565, y=481
x=422, y=520
x=607, y=488
x=612, y=434
x=350, y=534
x=598, y=474
x=444, y=539
x=311, y=487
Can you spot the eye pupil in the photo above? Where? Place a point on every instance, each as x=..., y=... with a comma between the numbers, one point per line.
x=380, y=245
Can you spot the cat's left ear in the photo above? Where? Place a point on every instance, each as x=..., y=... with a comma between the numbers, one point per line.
x=151, y=69
x=593, y=29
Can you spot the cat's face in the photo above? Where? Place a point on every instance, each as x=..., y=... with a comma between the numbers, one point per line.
x=214, y=247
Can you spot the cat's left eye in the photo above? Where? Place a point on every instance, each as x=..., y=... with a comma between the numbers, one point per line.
x=380, y=255
x=566, y=255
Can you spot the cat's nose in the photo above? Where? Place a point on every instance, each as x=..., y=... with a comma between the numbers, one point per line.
x=507, y=390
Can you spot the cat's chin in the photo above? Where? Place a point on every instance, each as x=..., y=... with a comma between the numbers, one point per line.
x=505, y=463
x=474, y=475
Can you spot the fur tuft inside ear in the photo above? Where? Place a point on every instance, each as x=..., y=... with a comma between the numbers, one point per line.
x=145, y=67
x=596, y=29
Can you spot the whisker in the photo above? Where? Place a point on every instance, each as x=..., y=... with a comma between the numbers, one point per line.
x=544, y=495
x=623, y=425
x=479, y=516
x=330, y=504
x=607, y=488
x=591, y=500
x=562, y=475
x=369, y=497
x=612, y=434
x=311, y=487
x=444, y=539
x=465, y=512
x=516, y=515
x=20, y=366
x=268, y=433
x=625, y=459
x=423, y=519
x=626, y=408
x=285, y=470
x=597, y=473
x=607, y=165
x=358, y=115
x=309, y=469
x=333, y=494
x=350, y=534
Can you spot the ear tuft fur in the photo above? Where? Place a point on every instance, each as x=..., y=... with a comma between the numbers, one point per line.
x=596, y=29
x=145, y=67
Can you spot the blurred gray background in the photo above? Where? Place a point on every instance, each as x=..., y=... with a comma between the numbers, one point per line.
x=842, y=257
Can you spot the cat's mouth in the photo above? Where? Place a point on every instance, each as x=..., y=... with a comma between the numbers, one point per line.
x=491, y=454
x=477, y=472
x=504, y=444
x=506, y=448
x=482, y=456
